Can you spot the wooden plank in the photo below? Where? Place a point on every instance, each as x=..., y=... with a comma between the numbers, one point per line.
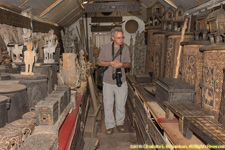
x=187, y=109
x=139, y=107
x=106, y=19
x=131, y=79
x=103, y=28
x=208, y=129
x=145, y=96
x=155, y=110
x=155, y=134
x=184, y=109
x=112, y=7
x=177, y=138
x=150, y=89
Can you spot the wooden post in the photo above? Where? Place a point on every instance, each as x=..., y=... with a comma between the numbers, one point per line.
x=180, y=47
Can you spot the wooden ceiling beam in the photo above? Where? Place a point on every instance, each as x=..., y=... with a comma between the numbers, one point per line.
x=112, y=7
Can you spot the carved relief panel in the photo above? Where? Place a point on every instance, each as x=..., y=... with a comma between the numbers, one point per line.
x=139, y=54
x=212, y=80
x=149, y=67
x=159, y=55
x=191, y=68
x=173, y=43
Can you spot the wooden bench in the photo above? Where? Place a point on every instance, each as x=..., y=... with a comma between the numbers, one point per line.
x=194, y=119
x=208, y=129
x=184, y=109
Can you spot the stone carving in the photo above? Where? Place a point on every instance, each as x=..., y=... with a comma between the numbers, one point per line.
x=51, y=43
x=28, y=60
x=139, y=54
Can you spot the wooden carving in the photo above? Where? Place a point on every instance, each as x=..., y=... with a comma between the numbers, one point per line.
x=28, y=60
x=139, y=54
x=191, y=68
x=213, y=64
x=159, y=53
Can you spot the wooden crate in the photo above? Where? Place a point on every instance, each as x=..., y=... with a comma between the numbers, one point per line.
x=47, y=112
x=67, y=90
x=171, y=89
x=59, y=96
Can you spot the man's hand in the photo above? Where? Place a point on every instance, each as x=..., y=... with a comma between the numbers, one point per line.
x=116, y=64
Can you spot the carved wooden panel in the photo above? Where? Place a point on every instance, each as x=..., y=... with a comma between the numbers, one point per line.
x=191, y=68
x=173, y=43
x=106, y=19
x=13, y=19
x=222, y=104
x=112, y=7
x=212, y=80
x=44, y=27
x=159, y=55
x=150, y=51
x=139, y=54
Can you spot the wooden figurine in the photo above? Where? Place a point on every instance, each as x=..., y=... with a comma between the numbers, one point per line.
x=28, y=60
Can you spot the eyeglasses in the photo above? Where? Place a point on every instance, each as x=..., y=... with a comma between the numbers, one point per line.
x=118, y=38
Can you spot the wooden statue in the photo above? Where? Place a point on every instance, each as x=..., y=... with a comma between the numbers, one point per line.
x=28, y=60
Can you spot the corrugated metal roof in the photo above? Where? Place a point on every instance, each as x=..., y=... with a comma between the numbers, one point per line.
x=66, y=12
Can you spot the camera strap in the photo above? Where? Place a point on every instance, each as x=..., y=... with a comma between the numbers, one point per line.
x=119, y=52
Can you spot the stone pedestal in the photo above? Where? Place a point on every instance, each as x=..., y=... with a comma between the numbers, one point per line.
x=19, y=102
x=173, y=43
x=44, y=70
x=191, y=66
x=36, y=86
x=4, y=105
x=212, y=77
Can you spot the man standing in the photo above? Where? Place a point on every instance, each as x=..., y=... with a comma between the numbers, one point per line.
x=114, y=79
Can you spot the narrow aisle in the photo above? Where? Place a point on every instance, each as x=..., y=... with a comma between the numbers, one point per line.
x=116, y=141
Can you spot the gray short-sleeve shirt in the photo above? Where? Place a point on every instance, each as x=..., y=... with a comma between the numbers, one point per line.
x=106, y=55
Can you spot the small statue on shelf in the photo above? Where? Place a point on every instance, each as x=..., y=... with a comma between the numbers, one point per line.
x=51, y=44
x=28, y=60
x=17, y=51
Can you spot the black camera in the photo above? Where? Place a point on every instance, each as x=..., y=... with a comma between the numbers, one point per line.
x=117, y=75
